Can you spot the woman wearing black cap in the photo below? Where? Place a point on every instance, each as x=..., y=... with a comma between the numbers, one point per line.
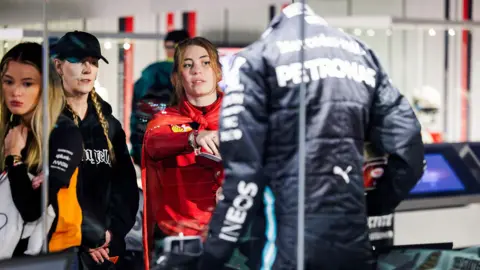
x=109, y=193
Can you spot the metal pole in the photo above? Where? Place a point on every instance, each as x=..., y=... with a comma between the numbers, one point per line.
x=226, y=19
x=405, y=86
x=301, y=152
x=45, y=128
x=454, y=101
x=446, y=79
x=390, y=52
x=420, y=56
x=157, y=31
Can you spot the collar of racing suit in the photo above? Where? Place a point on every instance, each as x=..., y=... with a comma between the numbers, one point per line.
x=206, y=117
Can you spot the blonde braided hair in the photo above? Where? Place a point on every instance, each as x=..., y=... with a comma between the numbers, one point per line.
x=103, y=122
x=75, y=116
x=76, y=120
x=101, y=118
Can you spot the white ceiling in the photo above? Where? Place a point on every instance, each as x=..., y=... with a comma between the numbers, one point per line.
x=19, y=12
x=26, y=11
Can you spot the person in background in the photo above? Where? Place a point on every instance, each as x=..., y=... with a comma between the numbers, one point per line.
x=152, y=92
x=21, y=148
x=427, y=103
x=179, y=186
x=109, y=193
x=350, y=99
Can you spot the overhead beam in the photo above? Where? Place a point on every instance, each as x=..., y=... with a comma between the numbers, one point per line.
x=362, y=22
x=17, y=12
x=19, y=34
x=412, y=23
x=388, y=22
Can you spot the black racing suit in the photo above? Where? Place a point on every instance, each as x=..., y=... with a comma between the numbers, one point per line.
x=350, y=99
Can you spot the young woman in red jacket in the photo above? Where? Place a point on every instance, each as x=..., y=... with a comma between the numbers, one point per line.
x=180, y=186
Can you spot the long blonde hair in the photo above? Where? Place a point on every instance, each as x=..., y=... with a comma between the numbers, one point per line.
x=31, y=53
x=178, y=61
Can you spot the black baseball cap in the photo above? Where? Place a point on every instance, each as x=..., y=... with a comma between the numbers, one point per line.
x=77, y=45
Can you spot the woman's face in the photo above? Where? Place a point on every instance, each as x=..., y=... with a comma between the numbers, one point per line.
x=198, y=77
x=21, y=86
x=78, y=76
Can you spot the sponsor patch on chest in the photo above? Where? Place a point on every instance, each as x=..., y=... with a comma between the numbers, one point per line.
x=181, y=128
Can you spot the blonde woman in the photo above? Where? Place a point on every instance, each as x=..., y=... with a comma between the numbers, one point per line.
x=21, y=158
x=109, y=193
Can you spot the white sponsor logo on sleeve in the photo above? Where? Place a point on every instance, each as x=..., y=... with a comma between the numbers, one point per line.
x=237, y=212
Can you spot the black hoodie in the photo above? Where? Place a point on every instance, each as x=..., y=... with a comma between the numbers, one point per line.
x=108, y=193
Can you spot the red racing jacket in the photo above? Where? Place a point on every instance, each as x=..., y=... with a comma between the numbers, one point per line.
x=178, y=187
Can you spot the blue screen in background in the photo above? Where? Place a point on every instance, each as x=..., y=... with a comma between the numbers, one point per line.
x=438, y=177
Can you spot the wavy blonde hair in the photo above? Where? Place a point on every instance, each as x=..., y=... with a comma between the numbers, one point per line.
x=176, y=77
x=31, y=53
